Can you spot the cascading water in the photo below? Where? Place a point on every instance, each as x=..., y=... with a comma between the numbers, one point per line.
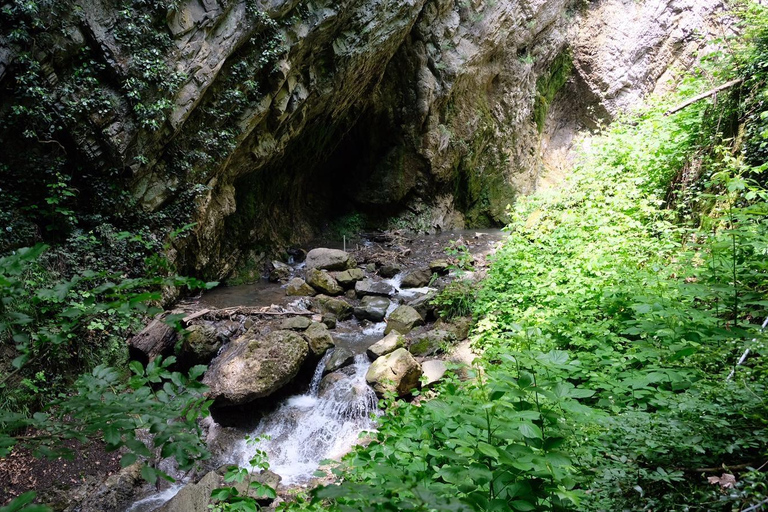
x=321, y=424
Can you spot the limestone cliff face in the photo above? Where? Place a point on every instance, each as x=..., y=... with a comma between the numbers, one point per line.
x=257, y=119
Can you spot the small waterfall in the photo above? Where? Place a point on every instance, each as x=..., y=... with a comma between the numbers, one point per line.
x=314, y=386
x=321, y=424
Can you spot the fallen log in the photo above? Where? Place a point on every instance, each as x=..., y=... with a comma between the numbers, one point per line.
x=702, y=96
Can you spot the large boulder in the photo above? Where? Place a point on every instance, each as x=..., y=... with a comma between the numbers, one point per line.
x=255, y=366
x=338, y=307
x=431, y=342
x=370, y=287
x=297, y=287
x=323, y=282
x=320, y=340
x=397, y=372
x=372, y=308
x=403, y=319
x=423, y=305
x=388, y=344
x=329, y=259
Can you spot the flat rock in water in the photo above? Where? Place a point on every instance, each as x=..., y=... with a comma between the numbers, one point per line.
x=398, y=372
x=433, y=371
x=372, y=308
x=320, y=340
x=370, y=287
x=323, y=282
x=329, y=259
x=403, y=320
x=417, y=279
x=340, y=358
x=297, y=287
x=386, y=345
x=295, y=323
x=255, y=366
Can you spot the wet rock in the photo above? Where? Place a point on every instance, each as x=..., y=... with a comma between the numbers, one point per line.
x=323, y=282
x=350, y=294
x=255, y=366
x=297, y=287
x=201, y=343
x=330, y=379
x=279, y=272
x=417, y=279
x=386, y=345
x=340, y=358
x=403, y=320
x=431, y=342
x=459, y=326
x=388, y=271
x=370, y=287
x=433, y=371
x=329, y=259
x=319, y=338
x=439, y=267
x=340, y=308
x=297, y=253
x=117, y=492
x=295, y=323
x=398, y=372
x=423, y=305
x=329, y=320
x=372, y=308
x=348, y=278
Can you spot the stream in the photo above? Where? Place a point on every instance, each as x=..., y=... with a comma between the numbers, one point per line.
x=324, y=420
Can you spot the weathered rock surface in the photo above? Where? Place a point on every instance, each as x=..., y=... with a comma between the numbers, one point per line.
x=322, y=281
x=117, y=493
x=403, y=320
x=386, y=345
x=416, y=279
x=348, y=278
x=337, y=307
x=423, y=107
x=371, y=287
x=297, y=287
x=423, y=305
x=433, y=371
x=398, y=372
x=439, y=267
x=340, y=358
x=253, y=366
x=320, y=340
x=295, y=323
x=201, y=344
x=431, y=342
x=280, y=272
x=329, y=259
x=372, y=308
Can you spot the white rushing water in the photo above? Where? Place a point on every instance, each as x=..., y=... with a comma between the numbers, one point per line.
x=153, y=501
x=320, y=424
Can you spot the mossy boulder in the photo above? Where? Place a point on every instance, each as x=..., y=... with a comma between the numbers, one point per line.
x=348, y=278
x=201, y=343
x=340, y=308
x=403, y=319
x=372, y=308
x=323, y=282
x=298, y=287
x=398, y=372
x=255, y=366
x=319, y=339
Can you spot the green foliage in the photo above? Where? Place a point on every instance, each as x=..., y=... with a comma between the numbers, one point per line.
x=456, y=299
x=229, y=499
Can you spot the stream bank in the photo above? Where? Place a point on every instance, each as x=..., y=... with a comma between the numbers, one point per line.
x=375, y=329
